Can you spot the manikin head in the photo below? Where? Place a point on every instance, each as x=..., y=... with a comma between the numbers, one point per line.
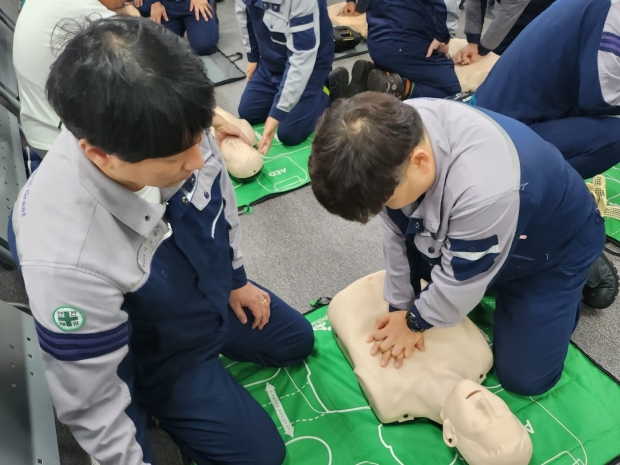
x=482, y=427
x=368, y=152
x=136, y=97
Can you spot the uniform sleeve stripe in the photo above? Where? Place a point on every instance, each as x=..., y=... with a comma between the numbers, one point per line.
x=81, y=354
x=466, y=269
x=610, y=43
x=67, y=346
x=476, y=245
x=472, y=256
x=302, y=20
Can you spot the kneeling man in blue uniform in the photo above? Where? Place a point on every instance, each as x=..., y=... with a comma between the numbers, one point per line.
x=127, y=236
x=469, y=199
x=561, y=77
x=290, y=51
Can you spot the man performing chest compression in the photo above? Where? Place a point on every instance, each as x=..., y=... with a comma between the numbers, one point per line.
x=128, y=237
x=468, y=199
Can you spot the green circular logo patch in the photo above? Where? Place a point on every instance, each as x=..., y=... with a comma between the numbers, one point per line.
x=68, y=318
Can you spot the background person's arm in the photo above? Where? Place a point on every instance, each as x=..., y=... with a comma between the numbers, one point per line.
x=506, y=15
x=608, y=68
x=302, y=41
x=247, y=32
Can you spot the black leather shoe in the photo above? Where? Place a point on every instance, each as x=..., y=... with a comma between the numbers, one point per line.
x=338, y=83
x=601, y=286
x=359, y=77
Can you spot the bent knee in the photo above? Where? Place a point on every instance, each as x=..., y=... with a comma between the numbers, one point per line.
x=293, y=136
x=204, y=49
x=298, y=349
x=528, y=384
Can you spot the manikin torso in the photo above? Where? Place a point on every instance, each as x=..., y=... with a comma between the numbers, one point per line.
x=452, y=354
x=471, y=76
x=442, y=383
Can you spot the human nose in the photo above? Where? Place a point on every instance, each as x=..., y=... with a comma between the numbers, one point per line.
x=195, y=160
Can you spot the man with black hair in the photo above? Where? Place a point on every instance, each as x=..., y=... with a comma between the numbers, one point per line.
x=290, y=51
x=468, y=199
x=138, y=283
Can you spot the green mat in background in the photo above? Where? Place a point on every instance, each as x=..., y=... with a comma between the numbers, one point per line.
x=612, y=226
x=285, y=169
x=325, y=419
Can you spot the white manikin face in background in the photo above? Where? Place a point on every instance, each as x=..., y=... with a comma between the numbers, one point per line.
x=482, y=427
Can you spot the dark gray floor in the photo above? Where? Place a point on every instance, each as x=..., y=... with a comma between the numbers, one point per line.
x=295, y=248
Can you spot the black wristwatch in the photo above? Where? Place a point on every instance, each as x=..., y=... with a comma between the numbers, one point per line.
x=413, y=323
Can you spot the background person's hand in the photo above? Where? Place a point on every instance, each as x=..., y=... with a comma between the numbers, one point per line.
x=441, y=47
x=129, y=10
x=467, y=55
x=158, y=11
x=264, y=144
x=225, y=130
x=255, y=300
x=249, y=69
x=201, y=7
x=394, y=339
x=137, y=3
x=348, y=10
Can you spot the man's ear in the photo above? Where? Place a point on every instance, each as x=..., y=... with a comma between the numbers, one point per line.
x=98, y=156
x=420, y=158
x=449, y=437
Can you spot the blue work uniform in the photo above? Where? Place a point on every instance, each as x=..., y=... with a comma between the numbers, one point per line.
x=399, y=34
x=202, y=35
x=506, y=211
x=130, y=301
x=292, y=42
x=561, y=77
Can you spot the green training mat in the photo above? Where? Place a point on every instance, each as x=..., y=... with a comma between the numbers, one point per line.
x=325, y=419
x=285, y=169
x=612, y=226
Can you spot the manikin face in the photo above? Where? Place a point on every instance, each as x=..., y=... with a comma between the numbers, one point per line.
x=483, y=428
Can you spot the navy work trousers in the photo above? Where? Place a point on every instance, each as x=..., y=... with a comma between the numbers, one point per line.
x=202, y=35
x=590, y=144
x=433, y=76
x=261, y=91
x=537, y=312
x=214, y=419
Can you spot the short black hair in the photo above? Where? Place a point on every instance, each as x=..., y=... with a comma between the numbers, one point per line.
x=358, y=153
x=132, y=88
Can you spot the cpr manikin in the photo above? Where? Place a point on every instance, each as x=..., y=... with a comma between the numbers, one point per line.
x=434, y=384
x=243, y=162
x=357, y=23
x=473, y=75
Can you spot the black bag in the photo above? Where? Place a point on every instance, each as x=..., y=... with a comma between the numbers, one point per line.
x=345, y=38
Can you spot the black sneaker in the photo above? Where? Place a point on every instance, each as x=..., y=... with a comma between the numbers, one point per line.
x=386, y=83
x=359, y=77
x=338, y=83
x=601, y=286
